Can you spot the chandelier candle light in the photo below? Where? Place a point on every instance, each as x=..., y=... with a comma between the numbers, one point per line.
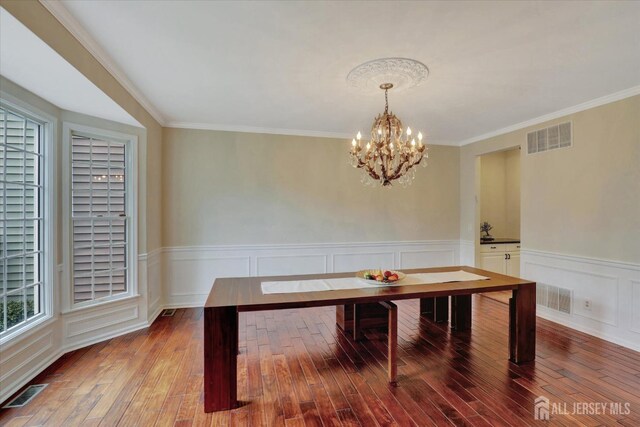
x=389, y=155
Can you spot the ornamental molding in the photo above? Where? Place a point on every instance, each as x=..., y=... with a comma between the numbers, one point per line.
x=404, y=73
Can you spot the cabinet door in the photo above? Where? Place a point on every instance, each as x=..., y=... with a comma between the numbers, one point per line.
x=513, y=264
x=493, y=262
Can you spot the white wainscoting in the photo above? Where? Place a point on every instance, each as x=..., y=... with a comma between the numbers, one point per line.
x=95, y=324
x=467, y=253
x=635, y=303
x=155, y=299
x=612, y=289
x=100, y=322
x=189, y=272
x=27, y=356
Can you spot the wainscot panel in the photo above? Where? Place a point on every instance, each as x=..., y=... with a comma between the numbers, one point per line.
x=605, y=300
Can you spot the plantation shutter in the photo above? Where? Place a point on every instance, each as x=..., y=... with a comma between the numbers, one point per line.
x=20, y=218
x=99, y=216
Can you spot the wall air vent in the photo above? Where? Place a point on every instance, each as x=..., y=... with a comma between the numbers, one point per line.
x=553, y=297
x=541, y=294
x=556, y=136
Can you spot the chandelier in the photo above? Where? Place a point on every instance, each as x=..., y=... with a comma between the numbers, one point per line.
x=389, y=155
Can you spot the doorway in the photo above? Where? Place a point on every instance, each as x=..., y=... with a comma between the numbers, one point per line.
x=498, y=213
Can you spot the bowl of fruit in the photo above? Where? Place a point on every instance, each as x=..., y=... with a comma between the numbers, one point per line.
x=381, y=277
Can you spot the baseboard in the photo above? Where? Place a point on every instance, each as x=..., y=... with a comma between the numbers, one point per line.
x=105, y=337
x=195, y=302
x=155, y=313
x=542, y=313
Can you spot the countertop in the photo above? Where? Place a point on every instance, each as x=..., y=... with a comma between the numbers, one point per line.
x=499, y=240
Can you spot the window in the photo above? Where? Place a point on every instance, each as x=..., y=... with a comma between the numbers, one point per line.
x=99, y=221
x=100, y=225
x=22, y=219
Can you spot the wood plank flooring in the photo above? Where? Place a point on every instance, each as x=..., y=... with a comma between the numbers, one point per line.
x=295, y=368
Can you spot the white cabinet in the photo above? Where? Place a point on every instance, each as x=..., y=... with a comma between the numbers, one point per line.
x=503, y=258
x=513, y=264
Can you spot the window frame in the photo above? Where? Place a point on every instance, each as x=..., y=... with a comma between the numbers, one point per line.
x=131, y=190
x=49, y=256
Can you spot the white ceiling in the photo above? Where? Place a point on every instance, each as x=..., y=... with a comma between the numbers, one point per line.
x=281, y=66
x=31, y=63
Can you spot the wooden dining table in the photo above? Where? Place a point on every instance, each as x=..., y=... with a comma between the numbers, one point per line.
x=229, y=296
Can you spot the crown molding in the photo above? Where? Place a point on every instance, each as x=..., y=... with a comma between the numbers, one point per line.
x=272, y=131
x=257, y=129
x=607, y=99
x=57, y=9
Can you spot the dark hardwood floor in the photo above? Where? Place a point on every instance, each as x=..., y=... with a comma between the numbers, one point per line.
x=296, y=368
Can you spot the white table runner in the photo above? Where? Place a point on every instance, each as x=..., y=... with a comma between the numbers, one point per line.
x=317, y=285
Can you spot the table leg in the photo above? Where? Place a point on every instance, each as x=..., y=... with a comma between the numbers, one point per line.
x=357, y=322
x=436, y=309
x=522, y=324
x=461, y=312
x=220, y=358
x=392, y=357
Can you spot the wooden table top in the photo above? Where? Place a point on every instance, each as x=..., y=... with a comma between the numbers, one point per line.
x=246, y=294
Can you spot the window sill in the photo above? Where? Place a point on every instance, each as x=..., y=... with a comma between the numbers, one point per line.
x=98, y=304
x=26, y=331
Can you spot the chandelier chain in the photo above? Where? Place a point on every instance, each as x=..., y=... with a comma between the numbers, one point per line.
x=386, y=101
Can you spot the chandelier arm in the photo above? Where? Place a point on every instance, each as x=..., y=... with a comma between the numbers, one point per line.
x=367, y=167
x=372, y=173
x=383, y=163
x=409, y=164
x=401, y=163
x=417, y=162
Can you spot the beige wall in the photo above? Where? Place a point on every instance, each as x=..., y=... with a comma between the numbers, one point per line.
x=512, y=192
x=38, y=19
x=500, y=192
x=225, y=188
x=582, y=200
x=493, y=193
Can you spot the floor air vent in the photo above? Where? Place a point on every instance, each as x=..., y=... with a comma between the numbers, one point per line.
x=25, y=397
x=168, y=312
x=553, y=297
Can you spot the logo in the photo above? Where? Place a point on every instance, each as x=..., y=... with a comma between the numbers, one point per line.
x=541, y=408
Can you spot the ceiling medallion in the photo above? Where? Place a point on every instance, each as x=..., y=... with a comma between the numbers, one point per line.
x=388, y=156
x=403, y=73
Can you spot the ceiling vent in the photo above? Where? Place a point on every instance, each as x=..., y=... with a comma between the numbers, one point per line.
x=556, y=136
